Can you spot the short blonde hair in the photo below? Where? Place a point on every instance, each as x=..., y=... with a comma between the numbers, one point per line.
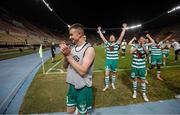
x=77, y=26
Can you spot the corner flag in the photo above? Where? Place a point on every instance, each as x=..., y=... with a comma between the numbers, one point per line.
x=41, y=56
x=40, y=51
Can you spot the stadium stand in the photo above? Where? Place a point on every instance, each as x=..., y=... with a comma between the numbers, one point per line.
x=17, y=32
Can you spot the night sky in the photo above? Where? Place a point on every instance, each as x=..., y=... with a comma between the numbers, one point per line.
x=92, y=13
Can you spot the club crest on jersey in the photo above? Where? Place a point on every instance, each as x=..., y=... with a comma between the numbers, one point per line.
x=158, y=46
x=139, y=55
x=111, y=48
x=76, y=58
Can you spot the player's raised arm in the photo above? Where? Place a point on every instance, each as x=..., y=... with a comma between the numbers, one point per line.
x=133, y=50
x=150, y=38
x=168, y=37
x=132, y=40
x=122, y=33
x=101, y=35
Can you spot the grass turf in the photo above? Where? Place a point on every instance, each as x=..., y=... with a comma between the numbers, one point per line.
x=47, y=93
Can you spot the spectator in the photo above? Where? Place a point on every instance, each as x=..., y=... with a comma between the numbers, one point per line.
x=176, y=47
x=53, y=49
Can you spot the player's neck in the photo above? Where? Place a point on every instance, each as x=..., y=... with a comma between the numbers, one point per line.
x=80, y=42
x=112, y=43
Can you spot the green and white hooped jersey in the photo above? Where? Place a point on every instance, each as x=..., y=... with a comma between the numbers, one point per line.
x=112, y=50
x=165, y=51
x=138, y=57
x=156, y=50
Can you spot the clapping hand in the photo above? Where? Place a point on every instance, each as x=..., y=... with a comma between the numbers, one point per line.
x=64, y=48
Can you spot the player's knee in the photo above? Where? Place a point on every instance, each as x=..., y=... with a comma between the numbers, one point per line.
x=114, y=73
x=107, y=73
x=134, y=79
x=142, y=80
x=70, y=110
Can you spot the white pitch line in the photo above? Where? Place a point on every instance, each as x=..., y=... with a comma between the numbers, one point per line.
x=97, y=71
x=54, y=66
x=56, y=69
x=170, y=66
x=56, y=73
x=61, y=71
